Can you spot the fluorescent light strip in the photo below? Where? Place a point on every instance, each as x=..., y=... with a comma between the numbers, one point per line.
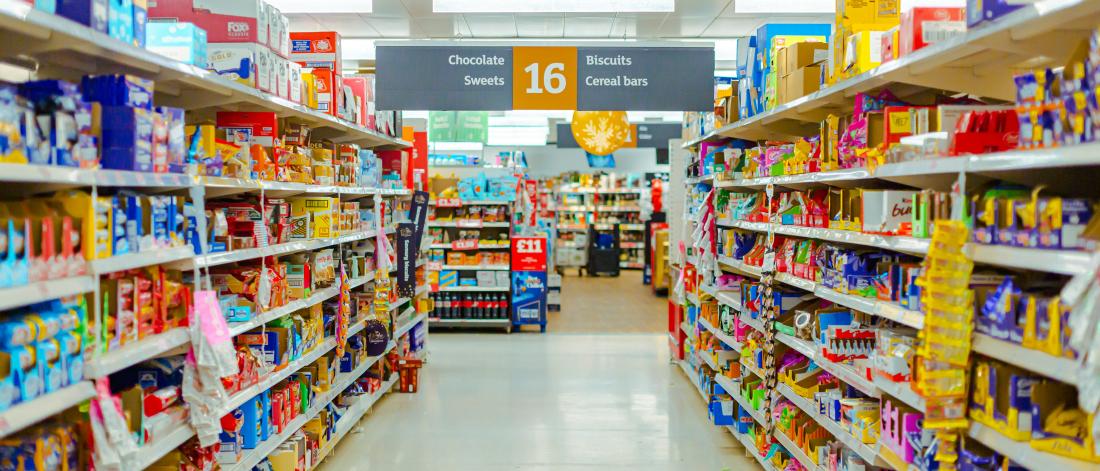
x=553, y=6
x=323, y=6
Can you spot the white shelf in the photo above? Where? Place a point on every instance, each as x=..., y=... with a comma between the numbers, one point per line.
x=724, y=337
x=750, y=448
x=705, y=358
x=222, y=258
x=885, y=309
x=407, y=326
x=479, y=203
x=242, y=396
x=321, y=295
x=476, y=267
x=153, y=451
x=480, y=246
x=147, y=258
x=686, y=328
x=796, y=452
x=693, y=378
x=39, y=291
x=729, y=298
x=352, y=415
x=845, y=373
x=1023, y=454
x=755, y=414
x=25, y=414
x=471, y=225
x=469, y=322
x=1059, y=368
x=865, y=451
x=1065, y=262
x=59, y=41
x=153, y=346
x=739, y=265
x=265, y=448
x=475, y=289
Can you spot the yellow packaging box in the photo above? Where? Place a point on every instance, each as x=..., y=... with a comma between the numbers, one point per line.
x=862, y=52
x=319, y=213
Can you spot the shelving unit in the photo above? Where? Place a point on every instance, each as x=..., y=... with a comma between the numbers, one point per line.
x=61, y=49
x=975, y=63
x=575, y=209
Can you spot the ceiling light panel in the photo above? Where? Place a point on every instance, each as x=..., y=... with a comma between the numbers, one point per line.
x=324, y=6
x=786, y=6
x=553, y=6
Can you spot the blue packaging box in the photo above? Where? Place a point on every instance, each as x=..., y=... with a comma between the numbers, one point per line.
x=90, y=13
x=183, y=42
x=127, y=138
x=120, y=20
x=981, y=11
x=118, y=90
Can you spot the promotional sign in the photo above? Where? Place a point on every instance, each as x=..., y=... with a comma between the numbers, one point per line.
x=406, y=259
x=528, y=254
x=448, y=76
x=441, y=126
x=649, y=135
x=418, y=214
x=529, y=281
x=472, y=126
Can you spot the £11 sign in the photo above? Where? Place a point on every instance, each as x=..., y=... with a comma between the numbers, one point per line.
x=528, y=254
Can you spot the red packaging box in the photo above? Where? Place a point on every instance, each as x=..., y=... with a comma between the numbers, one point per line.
x=261, y=126
x=922, y=26
x=358, y=87
x=327, y=91
x=316, y=49
x=225, y=21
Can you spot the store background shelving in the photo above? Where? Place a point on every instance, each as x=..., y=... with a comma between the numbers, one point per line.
x=975, y=62
x=577, y=208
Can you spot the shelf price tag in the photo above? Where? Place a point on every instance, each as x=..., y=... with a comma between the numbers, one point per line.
x=464, y=244
x=469, y=223
x=544, y=78
x=448, y=202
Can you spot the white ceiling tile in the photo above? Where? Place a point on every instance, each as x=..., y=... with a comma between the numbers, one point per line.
x=699, y=8
x=540, y=26
x=732, y=27
x=677, y=26
x=491, y=26
x=442, y=27
x=300, y=22
x=588, y=26
x=391, y=27
x=346, y=24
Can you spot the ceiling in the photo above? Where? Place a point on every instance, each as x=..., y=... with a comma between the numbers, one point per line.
x=414, y=19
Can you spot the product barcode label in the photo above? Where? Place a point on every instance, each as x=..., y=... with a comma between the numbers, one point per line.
x=935, y=31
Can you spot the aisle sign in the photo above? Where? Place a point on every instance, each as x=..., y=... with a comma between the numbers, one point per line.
x=447, y=76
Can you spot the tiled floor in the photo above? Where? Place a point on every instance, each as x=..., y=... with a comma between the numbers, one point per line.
x=559, y=401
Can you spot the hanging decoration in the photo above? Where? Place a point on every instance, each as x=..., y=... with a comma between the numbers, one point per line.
x=600, y=132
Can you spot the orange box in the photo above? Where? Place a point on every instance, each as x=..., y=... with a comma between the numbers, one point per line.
x=316, y=49
x=326, y=81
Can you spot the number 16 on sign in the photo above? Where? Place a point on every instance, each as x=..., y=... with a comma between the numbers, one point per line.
x=544, y=78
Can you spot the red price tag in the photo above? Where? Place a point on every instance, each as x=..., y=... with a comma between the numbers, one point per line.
x=448, y=202
x=469, y=223
x=464, y=244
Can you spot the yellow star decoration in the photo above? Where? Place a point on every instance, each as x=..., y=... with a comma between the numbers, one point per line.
x=600, y=132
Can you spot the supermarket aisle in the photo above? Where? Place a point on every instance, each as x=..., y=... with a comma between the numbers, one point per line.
x=608, y=305
x=491, y=402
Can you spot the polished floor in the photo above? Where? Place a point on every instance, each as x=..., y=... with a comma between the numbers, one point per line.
x=559, y=401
